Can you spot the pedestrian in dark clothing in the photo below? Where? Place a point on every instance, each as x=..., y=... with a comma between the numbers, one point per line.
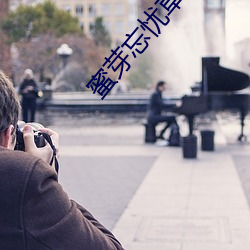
x=155, y=107
x=29, y=91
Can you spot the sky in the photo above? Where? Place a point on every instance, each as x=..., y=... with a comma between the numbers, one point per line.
x=237, y=22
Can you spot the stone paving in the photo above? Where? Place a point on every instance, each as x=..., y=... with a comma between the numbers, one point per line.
x=190, y=204
x=150, y=196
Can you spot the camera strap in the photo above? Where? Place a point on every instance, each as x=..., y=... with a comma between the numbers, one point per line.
x=48, y=139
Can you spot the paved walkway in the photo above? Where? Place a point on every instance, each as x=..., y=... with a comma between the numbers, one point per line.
x=178, y=204
x=189, y=204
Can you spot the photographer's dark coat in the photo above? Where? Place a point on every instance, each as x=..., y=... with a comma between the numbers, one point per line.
x=36, y=214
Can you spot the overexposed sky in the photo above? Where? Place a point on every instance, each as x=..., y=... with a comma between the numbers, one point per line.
x=237, y=22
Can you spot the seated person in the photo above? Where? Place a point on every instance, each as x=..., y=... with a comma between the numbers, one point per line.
x=36, y=213
x=155, y=107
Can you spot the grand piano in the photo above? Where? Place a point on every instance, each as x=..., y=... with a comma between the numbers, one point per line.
x=220, y=89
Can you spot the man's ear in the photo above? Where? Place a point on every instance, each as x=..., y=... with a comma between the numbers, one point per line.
x=7, y=140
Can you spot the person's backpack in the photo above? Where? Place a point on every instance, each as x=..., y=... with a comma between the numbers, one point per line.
x=174, y=136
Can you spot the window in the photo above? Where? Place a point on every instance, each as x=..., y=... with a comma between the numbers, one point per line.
x=119, y=27
x=105, y=9
x=67, y=8
x=91, y=27
x=82, y=26
x=119, y=9
x=119, y=42
x=133, y=10
x=92, y=10
x=107, y=25
x=79, y=10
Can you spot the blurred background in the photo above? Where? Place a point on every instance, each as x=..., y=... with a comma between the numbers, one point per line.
x=103, y=156
x=32, y=31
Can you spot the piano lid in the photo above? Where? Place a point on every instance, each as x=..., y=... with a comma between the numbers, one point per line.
x=218, y=78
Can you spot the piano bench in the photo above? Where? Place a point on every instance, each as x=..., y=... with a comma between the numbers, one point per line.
x=150, y=132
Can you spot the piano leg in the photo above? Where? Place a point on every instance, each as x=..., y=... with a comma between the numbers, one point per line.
x=243, y=114
x=190, y=123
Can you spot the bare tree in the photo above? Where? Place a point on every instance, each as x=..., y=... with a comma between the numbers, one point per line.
x=40, y=55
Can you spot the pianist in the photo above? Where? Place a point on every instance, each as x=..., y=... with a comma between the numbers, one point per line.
x=155, y=107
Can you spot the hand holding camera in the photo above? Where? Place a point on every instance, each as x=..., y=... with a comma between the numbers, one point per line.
x=38, y=137
x=41, y=142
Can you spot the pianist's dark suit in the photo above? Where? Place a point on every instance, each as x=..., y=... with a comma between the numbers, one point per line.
x=154, y=111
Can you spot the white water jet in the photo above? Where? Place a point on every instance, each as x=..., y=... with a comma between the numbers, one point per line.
x=177, y=52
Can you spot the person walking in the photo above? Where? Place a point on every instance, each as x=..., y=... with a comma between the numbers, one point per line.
x=29, y=92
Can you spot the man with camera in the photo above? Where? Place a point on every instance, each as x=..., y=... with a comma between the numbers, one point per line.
x=35, y=212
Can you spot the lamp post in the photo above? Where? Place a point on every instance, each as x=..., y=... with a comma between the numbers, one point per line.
x=64, y=51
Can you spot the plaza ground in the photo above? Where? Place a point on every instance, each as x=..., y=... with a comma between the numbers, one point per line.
x=148, y=194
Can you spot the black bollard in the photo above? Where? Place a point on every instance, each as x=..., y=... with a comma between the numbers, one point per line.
x=189, y=146
x=207, y=140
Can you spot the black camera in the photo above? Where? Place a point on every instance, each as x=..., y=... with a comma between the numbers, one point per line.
x=38, y=137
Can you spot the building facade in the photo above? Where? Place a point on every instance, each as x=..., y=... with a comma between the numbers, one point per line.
x=119, y=16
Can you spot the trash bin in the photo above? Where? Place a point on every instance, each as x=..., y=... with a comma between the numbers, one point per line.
x=207, y=140
x=150, y=133
x=189, y=146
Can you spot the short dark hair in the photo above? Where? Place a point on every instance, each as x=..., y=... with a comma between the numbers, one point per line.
x=9, y=104
x=159, y=84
